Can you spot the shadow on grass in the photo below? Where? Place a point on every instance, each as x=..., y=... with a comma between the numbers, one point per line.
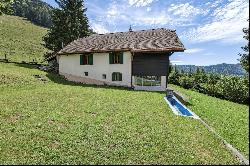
x=29, y=65
x=26, y=65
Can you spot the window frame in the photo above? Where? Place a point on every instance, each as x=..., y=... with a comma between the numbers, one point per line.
x=116, y=76
x=148, y=81
x=86, y=59
x=116, y=57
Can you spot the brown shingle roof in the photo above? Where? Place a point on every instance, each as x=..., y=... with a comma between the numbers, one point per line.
x=136, y=41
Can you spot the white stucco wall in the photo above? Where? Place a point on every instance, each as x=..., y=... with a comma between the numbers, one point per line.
x=70, y=65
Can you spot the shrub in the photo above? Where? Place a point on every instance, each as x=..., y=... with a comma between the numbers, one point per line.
x=186, y=82
x=174, y=77
x=231, y=88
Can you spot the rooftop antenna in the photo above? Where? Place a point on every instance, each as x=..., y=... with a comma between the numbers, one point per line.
x=130, y=29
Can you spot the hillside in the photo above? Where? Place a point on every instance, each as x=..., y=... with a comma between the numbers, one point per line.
x=36, y=11
x=20, y=39
x=225, y=69
x=53, y=121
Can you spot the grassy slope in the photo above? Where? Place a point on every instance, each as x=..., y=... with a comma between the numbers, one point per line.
x=20, y=39
x=60, y=122
x=230, y=120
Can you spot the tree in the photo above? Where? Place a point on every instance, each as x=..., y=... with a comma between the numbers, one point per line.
x=5, y=6
x=244, y=59
x=69, y=22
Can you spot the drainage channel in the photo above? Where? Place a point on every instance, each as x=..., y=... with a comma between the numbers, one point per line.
x=180, y=109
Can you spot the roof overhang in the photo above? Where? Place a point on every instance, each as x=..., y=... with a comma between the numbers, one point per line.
x=131, y=50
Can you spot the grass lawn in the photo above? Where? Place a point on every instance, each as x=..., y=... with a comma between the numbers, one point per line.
x=23, y=37
x=65, y=123
x=230, y=120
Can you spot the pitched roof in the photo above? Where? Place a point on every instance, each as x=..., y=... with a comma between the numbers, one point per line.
x=135, y=41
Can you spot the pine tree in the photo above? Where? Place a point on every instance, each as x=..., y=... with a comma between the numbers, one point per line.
x=244, y=59
x=69, y=22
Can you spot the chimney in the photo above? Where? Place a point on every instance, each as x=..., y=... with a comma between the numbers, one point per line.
x=130, y=29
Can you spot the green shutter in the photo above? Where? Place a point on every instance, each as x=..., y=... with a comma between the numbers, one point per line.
x=120, y=76
x=121, y=57
x=111, y=58
x=81, y=59
x=113, y=76
x=91, y=59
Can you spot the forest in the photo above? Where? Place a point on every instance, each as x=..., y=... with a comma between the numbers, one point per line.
x=35, y=11
x=225, y=69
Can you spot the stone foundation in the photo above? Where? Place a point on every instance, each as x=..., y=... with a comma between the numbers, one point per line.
x=86, y=80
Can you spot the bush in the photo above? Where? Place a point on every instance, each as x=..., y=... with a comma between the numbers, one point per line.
x=186, y=82
x=231, y=88
x=174, y=77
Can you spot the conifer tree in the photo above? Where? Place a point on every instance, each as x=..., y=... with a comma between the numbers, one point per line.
x=244, y=59
x=69, y=22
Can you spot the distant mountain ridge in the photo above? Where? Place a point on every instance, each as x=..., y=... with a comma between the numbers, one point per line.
x=225, y=69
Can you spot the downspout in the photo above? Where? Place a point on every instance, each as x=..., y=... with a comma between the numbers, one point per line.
x=169, y=54
x=131, y=82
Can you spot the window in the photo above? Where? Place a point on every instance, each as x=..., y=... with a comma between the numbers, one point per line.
x=86, y=59
x=86, y=73
x=148, y=80
x=104, y=76
x=116, y=76
x=116, y=58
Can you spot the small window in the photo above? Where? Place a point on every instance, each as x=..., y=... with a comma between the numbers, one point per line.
x=116, y=76
x=86, y=73
x=116, y=58
x=104, y=76
x=86, y=59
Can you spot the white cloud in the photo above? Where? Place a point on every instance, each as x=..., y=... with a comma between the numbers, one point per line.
x=119, y=13
x=226, y=24
x=98, y=28
x=139, y=3
x=113, y=11
x=193, y=50
x=176, y=62
x=159, y=18
x=216, y=3
x=186, y=10
x=149, y=9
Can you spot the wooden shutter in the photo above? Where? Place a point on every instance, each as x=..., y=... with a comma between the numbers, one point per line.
x=111, y=58
x=113, y=76
x=120, y=76
x=91, y=59
x=121, y=57
x=81, y=59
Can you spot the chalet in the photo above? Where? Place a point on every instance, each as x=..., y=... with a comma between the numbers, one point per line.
x=136, y=59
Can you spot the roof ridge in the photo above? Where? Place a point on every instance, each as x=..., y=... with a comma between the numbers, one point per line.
x=142, y=30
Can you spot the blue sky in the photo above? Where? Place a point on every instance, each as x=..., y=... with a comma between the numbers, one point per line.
x=210, y=30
